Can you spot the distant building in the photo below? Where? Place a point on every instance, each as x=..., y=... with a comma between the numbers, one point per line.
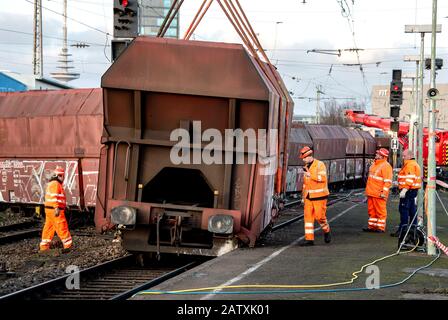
x=380, y=104
x=12, y=82
x=304, y=118
x=152, y=14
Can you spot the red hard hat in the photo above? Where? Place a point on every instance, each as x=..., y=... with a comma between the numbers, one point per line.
x=59, y=171
x=383, y=152
x=305, y=152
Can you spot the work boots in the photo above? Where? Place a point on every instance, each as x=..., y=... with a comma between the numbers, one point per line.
x=327, y=237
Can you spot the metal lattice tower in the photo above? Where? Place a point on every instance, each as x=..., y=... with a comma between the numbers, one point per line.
x=38, y=49
x=65, y=74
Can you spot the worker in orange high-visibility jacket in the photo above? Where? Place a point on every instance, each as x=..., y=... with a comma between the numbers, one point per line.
x=377, y=191
x=314, y=196
x=55, y=204
x=409, y=182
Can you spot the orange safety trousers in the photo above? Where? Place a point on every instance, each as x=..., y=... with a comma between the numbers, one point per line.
x=55, y=224
x=315, y=210
x=377, y=213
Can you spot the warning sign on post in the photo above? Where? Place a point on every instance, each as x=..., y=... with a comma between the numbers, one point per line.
x=394, y=144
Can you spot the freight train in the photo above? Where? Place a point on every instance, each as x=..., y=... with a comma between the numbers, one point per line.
x=347, y=154
x=40, y=130
x=116, y=145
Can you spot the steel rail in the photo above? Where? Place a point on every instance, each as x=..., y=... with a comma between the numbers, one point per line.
x=300, y=217
x=18, y=231
x=112, y=280
x=16, y=226
x=57, y=282
x=154, y=282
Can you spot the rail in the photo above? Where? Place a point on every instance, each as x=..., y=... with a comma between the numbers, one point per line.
x=118, y=279
x=18, y=231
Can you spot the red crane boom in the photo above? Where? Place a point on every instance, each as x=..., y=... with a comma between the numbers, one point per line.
x=375, y=121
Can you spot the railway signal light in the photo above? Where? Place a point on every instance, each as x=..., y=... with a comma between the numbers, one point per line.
x=395, y=112
x=439, y=63
x=394, y=126
x=396, y=93
x=125, y=18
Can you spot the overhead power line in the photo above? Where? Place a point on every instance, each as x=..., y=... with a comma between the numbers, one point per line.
x=75, y=20
x=346, y=12
x=51, y=37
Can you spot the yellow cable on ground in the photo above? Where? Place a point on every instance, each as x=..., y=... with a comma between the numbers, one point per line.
x=279, y=286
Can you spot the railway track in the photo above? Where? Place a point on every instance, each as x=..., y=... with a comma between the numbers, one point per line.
x=118, y=279
x=332, y=200
x=19, y=231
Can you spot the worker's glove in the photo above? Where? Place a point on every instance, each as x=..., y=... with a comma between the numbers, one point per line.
x=57, y=212
x=403, y=193
x=382, y=195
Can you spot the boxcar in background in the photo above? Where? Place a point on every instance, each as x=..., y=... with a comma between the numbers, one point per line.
x=370, y=147
x=346, y=152
x=40, y=130
x=298, y=138
x=330, y=143
x=354, y=156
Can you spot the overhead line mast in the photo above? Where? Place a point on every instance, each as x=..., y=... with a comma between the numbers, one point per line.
x=37, y=48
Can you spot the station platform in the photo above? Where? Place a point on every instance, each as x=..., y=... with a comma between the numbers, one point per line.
x=279, y=260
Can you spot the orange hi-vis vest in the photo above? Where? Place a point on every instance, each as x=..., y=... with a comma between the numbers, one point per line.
x=409, y=176
x=55, y=195
x=380, y=179
x=315, y=186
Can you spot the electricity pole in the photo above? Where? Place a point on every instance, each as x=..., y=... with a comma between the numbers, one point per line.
x=412, y=104
x=38, y=64
x=422, y=29
x=431, y=184
x=318, y=93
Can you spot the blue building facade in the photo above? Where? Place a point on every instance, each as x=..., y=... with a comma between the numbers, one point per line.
x=8, y=84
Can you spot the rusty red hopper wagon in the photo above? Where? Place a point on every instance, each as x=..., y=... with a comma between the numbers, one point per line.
x=159, y=85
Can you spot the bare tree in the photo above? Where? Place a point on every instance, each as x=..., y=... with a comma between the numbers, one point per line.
x=334, y=113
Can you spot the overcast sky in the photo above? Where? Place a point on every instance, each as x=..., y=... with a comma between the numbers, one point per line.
x=287, y=29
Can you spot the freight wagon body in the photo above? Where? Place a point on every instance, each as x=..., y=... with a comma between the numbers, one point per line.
x=369, y=152
x=298, y=138
x=160, y=86
x=328, y=142
x=354, y=155
x=347, y=154
x=40, y=130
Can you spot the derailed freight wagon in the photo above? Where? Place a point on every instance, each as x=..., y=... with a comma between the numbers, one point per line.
x=158, y=86
x=40, y=130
